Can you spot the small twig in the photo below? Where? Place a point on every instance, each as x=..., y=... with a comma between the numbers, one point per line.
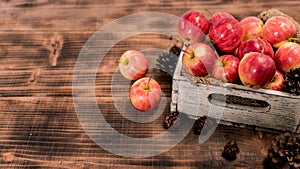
x=209, y=11
x=34, y=76
x=56, y=45
x=205, y=80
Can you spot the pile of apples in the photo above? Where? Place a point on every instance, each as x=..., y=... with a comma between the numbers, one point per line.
x=247, y=52
x=145, y=93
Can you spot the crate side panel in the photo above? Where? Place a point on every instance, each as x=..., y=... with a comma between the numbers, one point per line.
x=281, y=114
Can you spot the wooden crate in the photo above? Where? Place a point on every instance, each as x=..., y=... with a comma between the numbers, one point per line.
x=234, y=104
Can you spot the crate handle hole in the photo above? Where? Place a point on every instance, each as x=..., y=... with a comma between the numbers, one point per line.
x=238, y=102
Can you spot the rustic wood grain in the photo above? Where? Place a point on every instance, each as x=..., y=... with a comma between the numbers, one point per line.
x=39, y=126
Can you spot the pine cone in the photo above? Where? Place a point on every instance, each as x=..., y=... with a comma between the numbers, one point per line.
x=171, y=119
x=285, y=149
x=231, y=150
x=199, y=124
x=202, y=124
x=292, y=81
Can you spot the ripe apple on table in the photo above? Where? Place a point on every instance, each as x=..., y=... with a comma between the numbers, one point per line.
x=277, y=83
x=226, y=34
x=255, y=45
x=256, y=69
x=219, y=15
x=287, y=56
x=252, y=27
x=133, y=64
x=145, y=94
x=277, y=30
x=192, y=27
x=198, y=59
x=226, y=68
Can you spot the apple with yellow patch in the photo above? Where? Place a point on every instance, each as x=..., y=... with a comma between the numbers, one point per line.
x=145, y=94
x=133, y=64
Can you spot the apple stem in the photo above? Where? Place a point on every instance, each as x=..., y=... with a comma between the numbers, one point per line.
x=263, y=48
x=274, y=78
x=192, y=56
x=209, y=11
x=297, y=40
x=148, y=83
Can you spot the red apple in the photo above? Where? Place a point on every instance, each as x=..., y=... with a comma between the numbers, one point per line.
x=133, y=64
x=277, y=30
x=145, y=94
x=219, y=15
x=226, y=34
x=277, y=82
x=192, y=27
x=198, y=59
x=226, y=68
x=256, y=70
x=252, y=27
x=287, y=56
x=255, y=45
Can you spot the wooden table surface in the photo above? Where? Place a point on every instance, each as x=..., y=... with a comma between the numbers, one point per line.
x=40, y=41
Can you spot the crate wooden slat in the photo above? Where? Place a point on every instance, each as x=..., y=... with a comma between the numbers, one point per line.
x=278, y=111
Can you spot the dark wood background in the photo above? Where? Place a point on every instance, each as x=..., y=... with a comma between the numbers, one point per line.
x=39, y=127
